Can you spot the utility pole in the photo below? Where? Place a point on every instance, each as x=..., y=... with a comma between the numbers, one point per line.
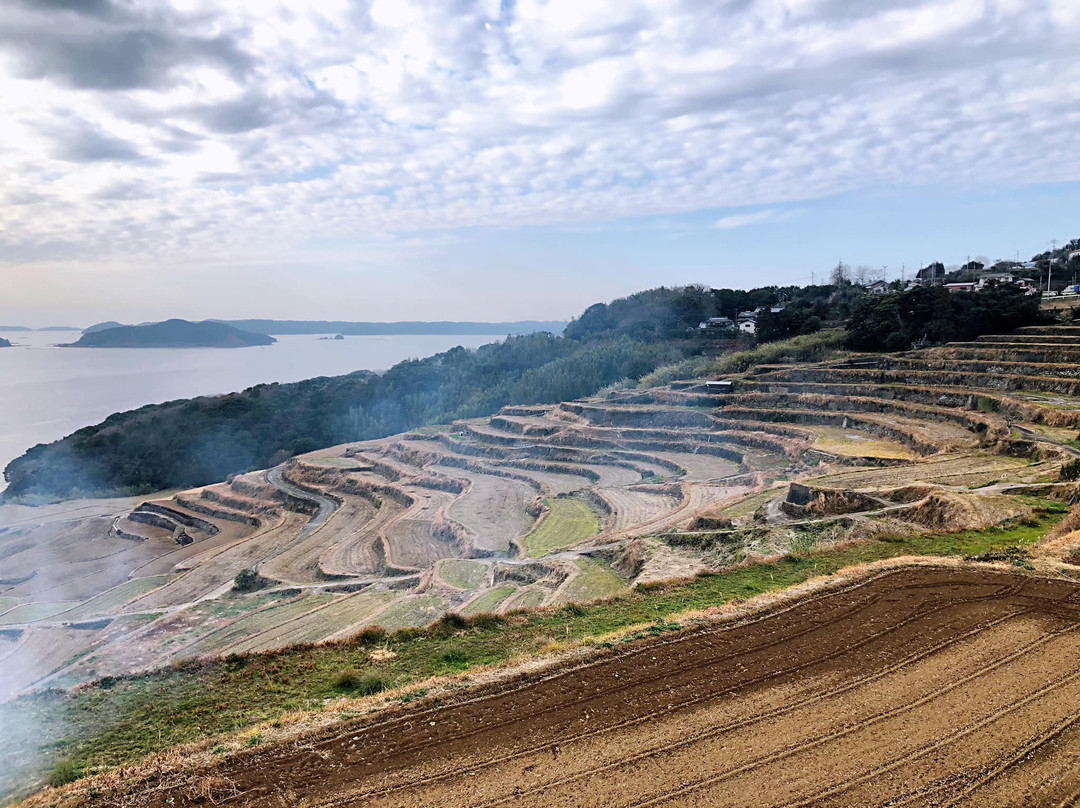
x=1050, y=266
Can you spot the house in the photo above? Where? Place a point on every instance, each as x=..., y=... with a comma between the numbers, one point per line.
x=877, y=288
x=723, y=323
x=961, y=287
x=1074, y=254
x=748, y=326
x=994, y=277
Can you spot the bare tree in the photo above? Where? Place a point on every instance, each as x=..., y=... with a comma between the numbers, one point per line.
x=841, y=274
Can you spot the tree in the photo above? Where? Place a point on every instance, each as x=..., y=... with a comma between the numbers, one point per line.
x=841, y=274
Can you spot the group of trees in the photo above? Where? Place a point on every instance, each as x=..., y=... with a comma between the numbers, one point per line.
x=932, y=314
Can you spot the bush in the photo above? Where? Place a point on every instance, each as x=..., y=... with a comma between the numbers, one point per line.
x=352, y=681
x=64, y=772
x=450, y=623
x=248, y=581
x=1071, y=470
x=372, y=635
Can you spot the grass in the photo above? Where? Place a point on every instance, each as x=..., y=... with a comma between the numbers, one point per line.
x=489, y=601
x=463, y=574
x=569, y=521
x=7, y=603
x=850, y=443
x=594, y=580
x=29, y=612
x=748, y=505
x=413, y=611
x=111, y=600
x=806, y=348
x=126, y=718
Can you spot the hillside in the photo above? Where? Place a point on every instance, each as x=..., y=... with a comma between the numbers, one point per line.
x=181, y=444
x=801, y=469
x=172, y=334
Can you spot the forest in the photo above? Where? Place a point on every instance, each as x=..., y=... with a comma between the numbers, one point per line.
x=929, y=315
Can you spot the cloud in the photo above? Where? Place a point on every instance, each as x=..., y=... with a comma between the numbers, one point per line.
x=737, y=220
x=218, y=129
x=83, y=142
x=100, y=45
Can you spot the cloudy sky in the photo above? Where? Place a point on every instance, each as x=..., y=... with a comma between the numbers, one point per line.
x=478, y=159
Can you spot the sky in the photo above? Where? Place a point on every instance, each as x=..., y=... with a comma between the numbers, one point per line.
x=515, y=159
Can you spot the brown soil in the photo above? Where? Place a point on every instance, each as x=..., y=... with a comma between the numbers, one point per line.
x=919, y=687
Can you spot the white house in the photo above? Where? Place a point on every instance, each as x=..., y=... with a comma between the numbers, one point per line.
x=1074, y=254
x=877, y=288
x=748, y=326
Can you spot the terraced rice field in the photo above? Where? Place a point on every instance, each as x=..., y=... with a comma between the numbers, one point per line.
x=857, y=444
x=488, y=601
x=568, y=522
x=414, y=523
x=920, y=687
x=463, y=574
x=593, y=580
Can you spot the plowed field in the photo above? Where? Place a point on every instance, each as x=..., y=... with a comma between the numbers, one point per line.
x=917, y=687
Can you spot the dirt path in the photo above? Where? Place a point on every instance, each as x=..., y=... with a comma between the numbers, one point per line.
x=920, y=687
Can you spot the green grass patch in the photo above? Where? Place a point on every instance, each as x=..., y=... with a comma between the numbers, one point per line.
x=816, y=347
x=595, y=580
x=464, y=574
x=113, y=599
x=411, y=612
x=569, y=521
x=130, y=717
x=489, y=601
x=29, y=612
x=7, y=603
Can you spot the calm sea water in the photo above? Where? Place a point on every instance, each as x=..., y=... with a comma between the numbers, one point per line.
x=48, y=392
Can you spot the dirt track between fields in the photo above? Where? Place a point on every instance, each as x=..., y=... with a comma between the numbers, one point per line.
x=920, y=687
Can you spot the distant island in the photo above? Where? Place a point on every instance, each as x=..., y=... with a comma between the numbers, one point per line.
x=172, y=334
x=46, y=328
x=4, y=343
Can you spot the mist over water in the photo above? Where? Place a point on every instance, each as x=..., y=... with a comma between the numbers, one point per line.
x=48, y=392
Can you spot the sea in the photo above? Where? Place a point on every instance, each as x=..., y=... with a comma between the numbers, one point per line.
x=47, y=392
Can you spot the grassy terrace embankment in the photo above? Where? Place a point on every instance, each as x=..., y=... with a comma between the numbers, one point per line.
x=119, y=721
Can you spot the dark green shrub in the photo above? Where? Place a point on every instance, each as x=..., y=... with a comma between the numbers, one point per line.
x=352, y=681
x=1071, y=470
x=64, y=772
